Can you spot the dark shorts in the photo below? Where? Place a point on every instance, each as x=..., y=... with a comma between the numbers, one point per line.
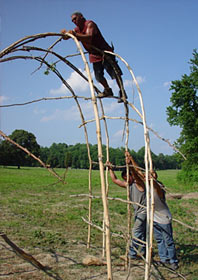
x=110, y=65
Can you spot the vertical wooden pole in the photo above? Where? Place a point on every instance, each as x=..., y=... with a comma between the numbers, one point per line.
x=101, y=165
x=128, y=190
x=107, y=183
x=146, y=139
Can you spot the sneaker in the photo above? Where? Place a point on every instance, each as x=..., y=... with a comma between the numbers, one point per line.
x=133, y=258
x=160, y=263
x=107, y=92
x=174, y=266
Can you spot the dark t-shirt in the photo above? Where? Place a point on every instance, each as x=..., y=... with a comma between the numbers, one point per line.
x=98, y=42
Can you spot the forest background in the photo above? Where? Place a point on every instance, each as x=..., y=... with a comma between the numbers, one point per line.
x=61, y=155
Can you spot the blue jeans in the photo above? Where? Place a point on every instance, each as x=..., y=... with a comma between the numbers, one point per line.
x=138, y=231
x=164, y=237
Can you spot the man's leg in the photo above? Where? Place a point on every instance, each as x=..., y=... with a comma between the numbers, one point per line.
x=99, y=75
x=167, y=232
x=159, y=237
x=139, y=233
x=114, y=71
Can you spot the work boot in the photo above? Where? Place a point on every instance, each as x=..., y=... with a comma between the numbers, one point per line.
x=160, y=263
x=174, y=266
x=107, y=92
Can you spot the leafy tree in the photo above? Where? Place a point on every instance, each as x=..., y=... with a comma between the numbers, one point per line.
x=94, y=155
x=161, y=162
x=57, y=153
x=140, y=157
x=44, y=153
x=11, y=155
x=184, y=113
x=68, y=159
x=6, y=157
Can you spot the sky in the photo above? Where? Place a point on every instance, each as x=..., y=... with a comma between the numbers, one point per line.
x=155, y=37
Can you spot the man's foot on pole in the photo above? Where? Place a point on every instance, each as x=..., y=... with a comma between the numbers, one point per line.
x=106, y=93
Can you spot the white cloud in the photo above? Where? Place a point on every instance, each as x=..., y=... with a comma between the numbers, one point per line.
x=111, y=107
x=39, y=112
x=118, y=134
x=140, y=79
x=87, y=109
x=60, y=115
x=77, y=83
x=118, y=137
x=129, y=83
x=71, y=114
x=166, y=84
x=3, y=98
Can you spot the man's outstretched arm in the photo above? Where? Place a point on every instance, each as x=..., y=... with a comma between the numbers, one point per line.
x=114, y=178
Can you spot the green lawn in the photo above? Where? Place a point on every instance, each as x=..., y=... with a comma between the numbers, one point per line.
x=37, y=213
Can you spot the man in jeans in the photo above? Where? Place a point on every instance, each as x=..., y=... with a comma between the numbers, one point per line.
x=88, y=33
x=137, y=195
x=163, y=231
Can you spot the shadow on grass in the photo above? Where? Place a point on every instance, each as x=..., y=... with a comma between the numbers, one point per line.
x=16, y=168
x=188, y=253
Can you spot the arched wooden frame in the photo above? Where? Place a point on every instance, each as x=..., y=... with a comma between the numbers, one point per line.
x=23, y=46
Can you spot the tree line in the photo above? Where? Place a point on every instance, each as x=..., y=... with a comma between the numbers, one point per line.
x=62, y=155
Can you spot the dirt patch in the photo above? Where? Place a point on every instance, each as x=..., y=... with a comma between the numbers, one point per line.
x=193, y=195
x=62, y=266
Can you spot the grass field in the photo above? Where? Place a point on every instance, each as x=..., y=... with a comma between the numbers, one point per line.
x=40, y=217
